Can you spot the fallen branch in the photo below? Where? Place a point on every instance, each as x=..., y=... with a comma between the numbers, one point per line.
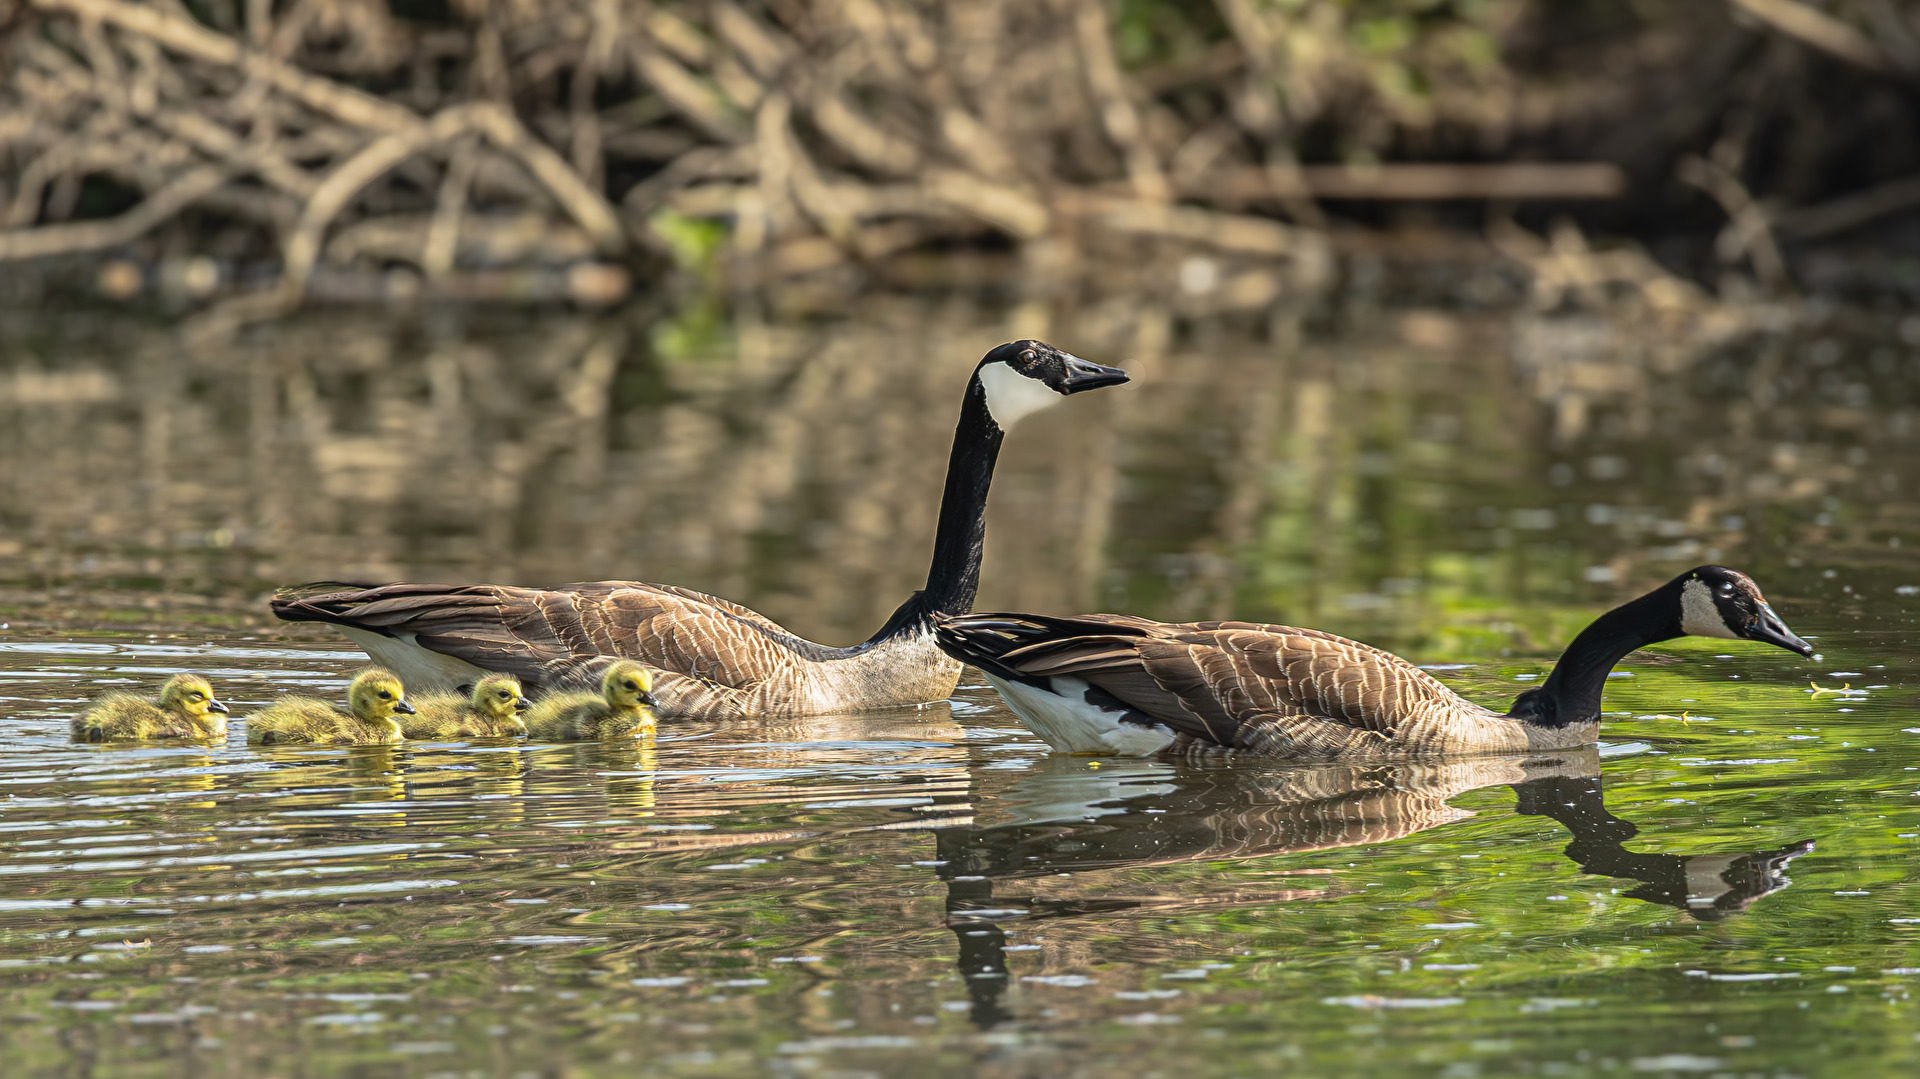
x=587, y=206
x=215, y=141
x=1749, y=232
x=1227, y=232
x=332, y=196
x=442, y=240
x=82, y=236
x=1117, y=114
x=1419, y=182
x=1004, y=207
x=1851, y=211
x=191, y=39
x=1811, y=26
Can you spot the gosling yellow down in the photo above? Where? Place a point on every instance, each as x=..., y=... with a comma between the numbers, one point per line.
x=372, y=700
x=186, y=709
x=492, y=712
x=624, y=709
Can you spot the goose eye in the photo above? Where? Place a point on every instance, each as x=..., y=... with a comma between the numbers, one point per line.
x=1027, y=356
x=1726, y=588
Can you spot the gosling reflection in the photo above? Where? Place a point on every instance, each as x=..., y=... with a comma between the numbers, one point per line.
x=1068, y=825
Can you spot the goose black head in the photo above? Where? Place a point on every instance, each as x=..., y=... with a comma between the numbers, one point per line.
x=1022, y=377
x=1719, y=602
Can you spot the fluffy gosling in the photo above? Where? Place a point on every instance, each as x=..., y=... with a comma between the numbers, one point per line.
x=492, y=712
x=186, y=709
x=624, y=709
x=372, y=700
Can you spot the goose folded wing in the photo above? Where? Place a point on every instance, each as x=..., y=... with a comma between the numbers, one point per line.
x=1289, y=671
x=1158, y=680
x=678, y=629
x=535, y=633
x=1209, y=680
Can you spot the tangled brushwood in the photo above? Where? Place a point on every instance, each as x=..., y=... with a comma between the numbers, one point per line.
x=286, y=143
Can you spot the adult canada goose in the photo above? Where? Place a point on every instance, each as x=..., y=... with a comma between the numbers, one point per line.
x=186, y=709
x=372, y=699
x=492, y=711
x=716, y=659
x=1115, y=684
x=622, y=709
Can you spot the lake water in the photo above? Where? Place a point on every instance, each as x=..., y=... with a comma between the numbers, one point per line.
x=1726, y=888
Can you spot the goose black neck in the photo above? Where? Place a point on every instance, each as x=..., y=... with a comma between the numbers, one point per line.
x=1571, y=694
x=960, y=538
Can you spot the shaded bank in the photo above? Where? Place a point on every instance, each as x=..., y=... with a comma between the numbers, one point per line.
x=260, y=154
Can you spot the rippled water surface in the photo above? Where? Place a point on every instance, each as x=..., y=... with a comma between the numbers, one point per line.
x=1726, y=888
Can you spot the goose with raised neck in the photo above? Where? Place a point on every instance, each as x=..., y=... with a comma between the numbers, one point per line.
x=714, y=658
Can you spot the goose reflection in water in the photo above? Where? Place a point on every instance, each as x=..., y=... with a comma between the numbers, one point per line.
x=1073, y=820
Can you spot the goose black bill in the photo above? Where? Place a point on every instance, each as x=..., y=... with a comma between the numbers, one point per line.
x=1773, y=631
x=1087, y=375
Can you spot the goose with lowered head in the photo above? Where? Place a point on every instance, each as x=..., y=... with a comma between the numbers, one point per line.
x=1126, y=686
x=714, y=658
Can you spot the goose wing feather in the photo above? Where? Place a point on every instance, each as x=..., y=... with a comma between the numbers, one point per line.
x=1226, y=683
x=550, y=636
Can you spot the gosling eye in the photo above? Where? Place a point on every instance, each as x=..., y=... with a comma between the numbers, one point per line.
x=385, y=696
x=503, y=694
x=628, y=685
x=196, y=696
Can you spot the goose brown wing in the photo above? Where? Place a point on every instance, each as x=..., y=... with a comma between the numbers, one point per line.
x=532, y=632
x=1209, y=680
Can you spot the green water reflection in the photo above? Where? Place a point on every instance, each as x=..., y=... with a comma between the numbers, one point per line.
x=927, y=892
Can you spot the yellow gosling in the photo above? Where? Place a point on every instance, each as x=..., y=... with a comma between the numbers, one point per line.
x=624, y=709
x=372, y=700
x=186, y=709
x=492, y=712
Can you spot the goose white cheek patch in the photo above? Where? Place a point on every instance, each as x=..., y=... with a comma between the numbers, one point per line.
x=1699, y=615
x=1011, y=395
